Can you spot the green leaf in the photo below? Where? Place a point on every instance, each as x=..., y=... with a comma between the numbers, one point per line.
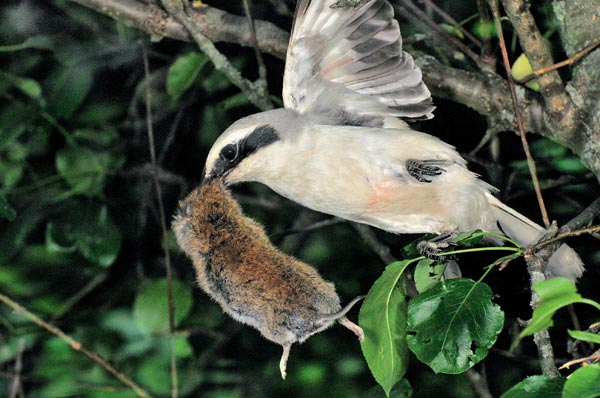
x=151, y=308
x=570, y=164
x=383, y=319
x=585, y=336
x=453, y=30
x=14, y=121
x=521, y=68
x=452, y=326
x=83, y=170
x=583, y=383
x=427, y=274
x=485, y=30
x=536, y=387
x=89, y=229
x=40, y=42
x=27, y=86
x=546, y=148
x=6, y=211
x=469, y=238
x=554, y=294
x=68, y=88
x=183, y=72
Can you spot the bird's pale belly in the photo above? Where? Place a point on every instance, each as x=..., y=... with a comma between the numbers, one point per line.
x=388, y=206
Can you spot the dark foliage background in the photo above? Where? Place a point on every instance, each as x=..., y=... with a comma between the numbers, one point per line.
x=83, y=250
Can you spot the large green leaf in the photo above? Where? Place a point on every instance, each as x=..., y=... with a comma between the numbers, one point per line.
x=151, y=307
x=183, y=72
x=583, y=383
x=89, y=229
x=537, y=387
x=452, y=326
x=554, y=294
x=383, y=319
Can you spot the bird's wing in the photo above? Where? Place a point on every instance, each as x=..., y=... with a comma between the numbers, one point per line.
x=346, y=60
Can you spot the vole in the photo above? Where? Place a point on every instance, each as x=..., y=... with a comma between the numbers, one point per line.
x=256, y=284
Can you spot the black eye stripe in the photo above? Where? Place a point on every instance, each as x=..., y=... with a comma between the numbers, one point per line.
x=234, y=153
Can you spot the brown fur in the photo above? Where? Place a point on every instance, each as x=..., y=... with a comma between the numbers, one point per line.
x=255, y=283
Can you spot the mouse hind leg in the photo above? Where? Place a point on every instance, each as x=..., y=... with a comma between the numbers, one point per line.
x=284, y=359
x=357, y=330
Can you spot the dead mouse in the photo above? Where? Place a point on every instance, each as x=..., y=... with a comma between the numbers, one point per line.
x=255, y=283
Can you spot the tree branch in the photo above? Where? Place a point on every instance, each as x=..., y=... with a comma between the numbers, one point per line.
x=74, y=344
x=560, y=109
x=485, y=92
x=177, y=9
x=219, y=25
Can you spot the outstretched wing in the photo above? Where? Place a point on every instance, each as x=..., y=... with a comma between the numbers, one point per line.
x=346, y=60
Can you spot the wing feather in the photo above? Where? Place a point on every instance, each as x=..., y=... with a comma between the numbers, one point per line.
x=350, y=60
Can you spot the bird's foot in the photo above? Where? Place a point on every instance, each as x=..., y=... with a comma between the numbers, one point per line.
x=357, y=330
x=433, y=248
x=420, y=170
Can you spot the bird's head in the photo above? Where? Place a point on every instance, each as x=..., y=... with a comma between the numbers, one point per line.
x=246, y=146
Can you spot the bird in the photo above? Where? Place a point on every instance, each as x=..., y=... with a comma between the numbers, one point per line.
x=341, y=144
x=255, y=283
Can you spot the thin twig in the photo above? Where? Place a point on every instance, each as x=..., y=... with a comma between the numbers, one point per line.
x=413, y=9
x=261, y=83
x=312, y=227
x=557, y=238
x=367, y=234
x=566, y=62
x=449, y=19
x=535, y=269
x=221, y=63
x=479, y=383
x=595, y=357
x=16, y=385
x=559, y=107
x=163, y=226
x=91, y=285
x=76, y=345
x=518, y=116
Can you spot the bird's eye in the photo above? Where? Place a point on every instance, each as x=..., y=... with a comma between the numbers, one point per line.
x=229, y=152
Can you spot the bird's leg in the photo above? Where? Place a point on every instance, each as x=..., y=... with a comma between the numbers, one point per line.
x=432, y=248
x=284, y=359
x=357, y=330
x=420, y=170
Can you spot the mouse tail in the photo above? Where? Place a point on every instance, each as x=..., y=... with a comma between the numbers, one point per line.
x=337, y=315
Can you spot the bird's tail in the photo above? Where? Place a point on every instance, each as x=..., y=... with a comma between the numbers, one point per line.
x=564, y=262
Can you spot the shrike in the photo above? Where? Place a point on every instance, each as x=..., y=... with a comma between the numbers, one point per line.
x=340, y=146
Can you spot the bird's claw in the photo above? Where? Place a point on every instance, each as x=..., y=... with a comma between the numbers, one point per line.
x=421, y=169
x=434, y=247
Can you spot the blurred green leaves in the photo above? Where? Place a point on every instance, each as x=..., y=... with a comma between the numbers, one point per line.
x=184, y=72
x=537, y=387
x=84, y=170
x=151, y=307
x=6, y=211
x=88, y=229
